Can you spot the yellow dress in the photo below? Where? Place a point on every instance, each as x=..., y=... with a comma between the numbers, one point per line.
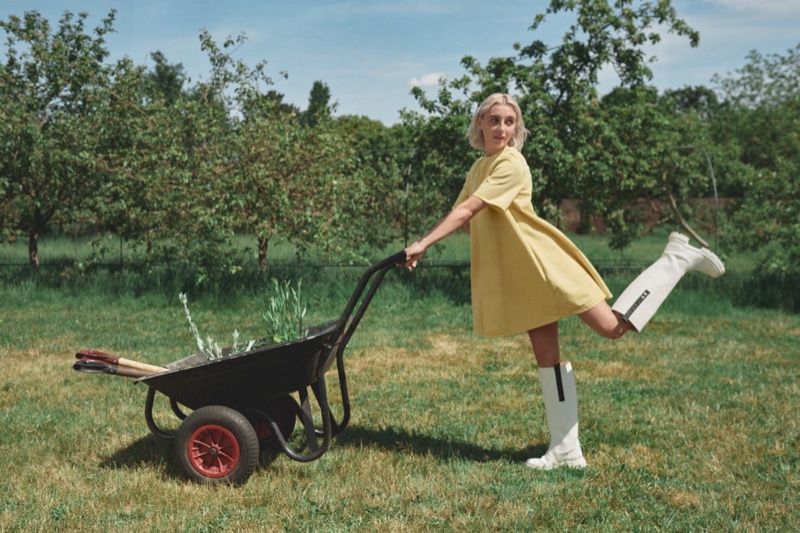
x=525, y=272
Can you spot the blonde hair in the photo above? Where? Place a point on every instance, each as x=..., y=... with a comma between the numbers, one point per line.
x=474, y=133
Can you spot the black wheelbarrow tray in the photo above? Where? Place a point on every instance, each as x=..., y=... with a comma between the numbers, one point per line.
x=245, y=402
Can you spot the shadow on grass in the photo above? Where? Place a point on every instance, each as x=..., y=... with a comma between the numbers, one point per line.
x=148, y=451
x=151, y=451
x=402, y=441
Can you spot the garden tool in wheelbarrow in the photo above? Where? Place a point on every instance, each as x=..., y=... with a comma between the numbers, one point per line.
x=243, y=403
x=94, y=361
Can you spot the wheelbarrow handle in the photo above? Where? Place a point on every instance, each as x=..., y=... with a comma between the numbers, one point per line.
x=397, y=259
x=372, y=277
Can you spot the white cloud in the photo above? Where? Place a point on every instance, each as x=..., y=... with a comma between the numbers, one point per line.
x=426, y=80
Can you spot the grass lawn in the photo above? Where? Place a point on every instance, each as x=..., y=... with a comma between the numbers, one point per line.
x=689, y=426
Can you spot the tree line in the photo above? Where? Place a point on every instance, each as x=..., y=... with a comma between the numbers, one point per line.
x=180, y=167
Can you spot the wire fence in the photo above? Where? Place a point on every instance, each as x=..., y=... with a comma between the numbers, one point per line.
x=133, y=265
x=76, y=250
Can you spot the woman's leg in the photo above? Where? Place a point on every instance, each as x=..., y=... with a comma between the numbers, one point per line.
x=560, y=402
x=605, y=321
x=544, y=341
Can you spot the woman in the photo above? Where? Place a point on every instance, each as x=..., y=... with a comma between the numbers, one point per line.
x=526, y=275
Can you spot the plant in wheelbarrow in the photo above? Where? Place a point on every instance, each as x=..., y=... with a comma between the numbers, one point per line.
x=285, y=315
x=284, y=320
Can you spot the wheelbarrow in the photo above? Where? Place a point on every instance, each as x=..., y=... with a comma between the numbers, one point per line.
x=242, y=403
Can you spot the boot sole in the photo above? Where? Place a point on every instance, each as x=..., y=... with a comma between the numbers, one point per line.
x=574, y=463
x=716, y=261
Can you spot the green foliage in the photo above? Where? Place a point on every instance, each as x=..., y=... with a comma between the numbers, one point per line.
x=50, y=150
x=284, y=317
x=768, y=217
x=166, y=81
x=602, y=33
x=320, y=107
x=761, y=119
x=177, y=169
x=437, y=156
x=761, y=108
x=283, y=320
x=212, y=350
x=380, y=168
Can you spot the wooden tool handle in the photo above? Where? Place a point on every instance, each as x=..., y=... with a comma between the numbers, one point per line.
x=150, y=369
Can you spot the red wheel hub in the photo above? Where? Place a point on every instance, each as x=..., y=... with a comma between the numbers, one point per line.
x=213, y=451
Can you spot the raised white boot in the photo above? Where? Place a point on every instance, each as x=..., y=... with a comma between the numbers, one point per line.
x=561, y=407
x=640, y=301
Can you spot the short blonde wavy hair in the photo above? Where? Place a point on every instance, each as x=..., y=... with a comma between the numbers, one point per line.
x=474, y=133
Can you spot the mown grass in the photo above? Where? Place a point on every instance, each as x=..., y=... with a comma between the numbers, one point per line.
x=688, y=426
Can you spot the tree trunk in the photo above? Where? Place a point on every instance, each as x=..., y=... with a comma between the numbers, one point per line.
x=37, y=228
x=33, y=247
x=263, y=246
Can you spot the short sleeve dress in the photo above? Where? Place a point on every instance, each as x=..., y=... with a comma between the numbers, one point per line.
x=525, y=273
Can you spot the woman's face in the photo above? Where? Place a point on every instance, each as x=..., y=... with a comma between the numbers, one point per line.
x=497, y=125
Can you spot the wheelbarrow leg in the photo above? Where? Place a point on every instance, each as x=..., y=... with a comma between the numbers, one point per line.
x=317, y=445
x=307, y=419
x=148, y=416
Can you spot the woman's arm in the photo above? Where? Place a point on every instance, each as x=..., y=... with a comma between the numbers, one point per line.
x=460, y=215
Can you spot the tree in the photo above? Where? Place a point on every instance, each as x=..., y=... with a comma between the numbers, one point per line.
x=700, y=99
x=187, y=169
x=182, y=159
x=761, y=105
x=161, y=154
x=285, y=182
x=166, y=80
x=319, y=104
x=760, y=115
x=381, y=169
x=49, y=86
x=143, y=146
x=232, y=158
x=436, y=157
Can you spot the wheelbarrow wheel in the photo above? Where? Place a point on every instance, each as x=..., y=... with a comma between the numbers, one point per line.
x=217, y=444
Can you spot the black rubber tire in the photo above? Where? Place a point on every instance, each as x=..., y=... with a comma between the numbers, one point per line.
x=217, y=444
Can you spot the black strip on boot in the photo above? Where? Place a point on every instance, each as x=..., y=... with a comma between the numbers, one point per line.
x=627, y=316
x=559, y=383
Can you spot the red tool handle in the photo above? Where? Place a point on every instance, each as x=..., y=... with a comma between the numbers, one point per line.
x=96, y=355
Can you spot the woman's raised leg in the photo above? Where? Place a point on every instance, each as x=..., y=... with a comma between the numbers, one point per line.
x=605, y=321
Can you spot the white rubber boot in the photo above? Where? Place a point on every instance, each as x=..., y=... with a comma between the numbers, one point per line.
x=640, y=301
x=561, y=407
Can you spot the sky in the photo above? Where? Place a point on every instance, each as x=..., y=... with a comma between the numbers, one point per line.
x=371, y=53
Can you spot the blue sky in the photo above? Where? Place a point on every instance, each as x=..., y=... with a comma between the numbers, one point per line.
x=371, y=52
